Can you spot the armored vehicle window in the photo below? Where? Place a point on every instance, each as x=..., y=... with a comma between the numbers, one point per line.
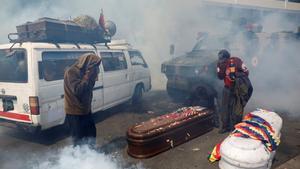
x=13, y=66
x=113, y=61
x=136, y=58
x=55, y=63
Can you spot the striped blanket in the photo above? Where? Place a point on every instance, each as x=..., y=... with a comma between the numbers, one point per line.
x=256, y=128
x=253, y=127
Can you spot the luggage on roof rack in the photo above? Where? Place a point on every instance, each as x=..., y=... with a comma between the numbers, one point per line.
x=58, y=31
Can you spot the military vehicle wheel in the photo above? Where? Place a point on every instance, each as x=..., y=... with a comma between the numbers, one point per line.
x=138, y=94
x=176, y=95
x=200, y=97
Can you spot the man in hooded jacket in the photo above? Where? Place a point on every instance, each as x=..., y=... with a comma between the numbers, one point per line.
x=79, y=80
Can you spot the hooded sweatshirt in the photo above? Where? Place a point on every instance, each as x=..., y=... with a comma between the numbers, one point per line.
x=78, y=90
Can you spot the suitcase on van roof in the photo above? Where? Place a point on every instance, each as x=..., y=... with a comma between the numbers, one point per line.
x=159, y=134
x=58, y=31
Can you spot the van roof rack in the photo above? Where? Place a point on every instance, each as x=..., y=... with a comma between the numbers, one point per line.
x=15, y=40
x=121, y=42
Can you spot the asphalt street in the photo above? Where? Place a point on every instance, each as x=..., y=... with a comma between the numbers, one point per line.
x=19, y=150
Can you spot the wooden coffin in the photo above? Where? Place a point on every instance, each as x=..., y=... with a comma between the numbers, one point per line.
x=167, y=131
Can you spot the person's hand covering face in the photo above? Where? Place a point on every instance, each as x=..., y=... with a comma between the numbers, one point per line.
x=92, y=73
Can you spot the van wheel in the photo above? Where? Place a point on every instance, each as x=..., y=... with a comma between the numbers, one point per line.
x=138, y=94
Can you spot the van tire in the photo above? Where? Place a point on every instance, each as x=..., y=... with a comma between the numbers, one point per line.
x=137, y=95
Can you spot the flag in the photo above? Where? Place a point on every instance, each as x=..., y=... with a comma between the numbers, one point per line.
x=101, y=20
x=215, y=154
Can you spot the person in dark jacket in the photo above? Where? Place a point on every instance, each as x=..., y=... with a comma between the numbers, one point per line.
x=237, y=89
x=79, y=80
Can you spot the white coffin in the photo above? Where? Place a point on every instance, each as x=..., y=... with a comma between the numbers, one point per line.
x=245, y=153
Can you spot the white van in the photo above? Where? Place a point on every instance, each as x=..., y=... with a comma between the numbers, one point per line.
x=31, y=80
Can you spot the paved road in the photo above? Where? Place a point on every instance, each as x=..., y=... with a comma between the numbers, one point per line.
x=48, y=150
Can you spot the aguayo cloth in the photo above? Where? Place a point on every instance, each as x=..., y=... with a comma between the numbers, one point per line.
x=215, y=154
x=257, y=128
x=253, y=127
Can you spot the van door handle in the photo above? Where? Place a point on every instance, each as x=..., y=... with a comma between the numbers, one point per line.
x=62, y=96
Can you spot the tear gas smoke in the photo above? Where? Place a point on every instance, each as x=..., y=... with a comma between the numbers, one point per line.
x=152, y=26
x=276, y=75
x=69, y=157
x=80, y=157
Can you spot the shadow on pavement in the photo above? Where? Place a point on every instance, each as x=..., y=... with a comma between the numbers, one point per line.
x=113, y=145
x=156, y=101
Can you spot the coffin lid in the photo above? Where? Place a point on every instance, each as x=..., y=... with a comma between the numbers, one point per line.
x=169, y=121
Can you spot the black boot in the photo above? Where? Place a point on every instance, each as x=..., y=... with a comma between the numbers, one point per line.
x=216, y=124
x=223, y=130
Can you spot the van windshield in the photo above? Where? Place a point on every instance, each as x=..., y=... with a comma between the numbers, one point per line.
x=13, y=66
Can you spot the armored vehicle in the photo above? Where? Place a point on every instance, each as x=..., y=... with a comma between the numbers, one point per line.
x=192, y=77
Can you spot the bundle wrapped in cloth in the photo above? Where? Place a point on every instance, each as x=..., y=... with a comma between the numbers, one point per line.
x=83, y=29
x=164, y=132
x=252, y=144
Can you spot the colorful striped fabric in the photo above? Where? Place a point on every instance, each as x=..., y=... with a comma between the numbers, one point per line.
x=255, y=127
x=215, y=154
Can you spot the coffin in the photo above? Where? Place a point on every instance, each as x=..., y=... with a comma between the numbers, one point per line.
x=246, y=153
x=58, y=31
x=159, y=134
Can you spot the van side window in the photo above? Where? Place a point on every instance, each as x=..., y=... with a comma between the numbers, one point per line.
x=13, y=66
x=55, y=63
x=113, y=61
x=136, y=58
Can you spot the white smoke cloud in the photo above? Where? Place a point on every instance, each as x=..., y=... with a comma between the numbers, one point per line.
x=152, y=26
x=276, y=77
x=80, y=157
x=277, y=22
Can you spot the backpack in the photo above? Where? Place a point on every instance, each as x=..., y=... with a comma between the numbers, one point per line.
x=243, y=88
